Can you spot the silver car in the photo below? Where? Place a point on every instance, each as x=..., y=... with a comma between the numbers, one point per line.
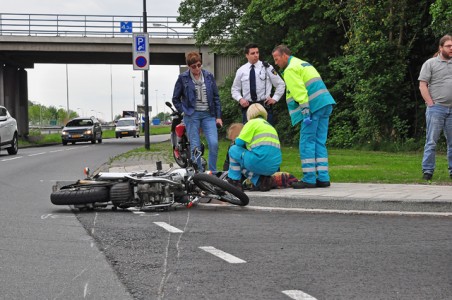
x=8, y=132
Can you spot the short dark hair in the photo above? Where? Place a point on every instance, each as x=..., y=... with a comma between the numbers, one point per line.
x=250, y=46
x=444, y=39
x=282, y=49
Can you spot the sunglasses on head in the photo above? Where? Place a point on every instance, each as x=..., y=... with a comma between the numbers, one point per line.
x=196, y=66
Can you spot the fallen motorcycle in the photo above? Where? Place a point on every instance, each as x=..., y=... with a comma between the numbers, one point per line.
x=154, y=190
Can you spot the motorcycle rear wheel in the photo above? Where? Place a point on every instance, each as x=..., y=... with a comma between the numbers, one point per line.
x=79, y=195
x=221, y=188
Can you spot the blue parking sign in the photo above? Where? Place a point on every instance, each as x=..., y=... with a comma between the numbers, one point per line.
x=140, y=48
x=126, y=27
x=140, y=44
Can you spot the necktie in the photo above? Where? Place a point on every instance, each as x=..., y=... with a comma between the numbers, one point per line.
x=253, y=84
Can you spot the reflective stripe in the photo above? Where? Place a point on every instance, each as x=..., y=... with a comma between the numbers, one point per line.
x=322, y=168
x=265, y=143
x=288, y=100
x=323, y=159
x=319, y=92
x=294, y=111
x=311, y=81
x=232, y=160
x=262, y=135
x=308, y=161
x=235, y=168
x=308, y=170
x=305, y=64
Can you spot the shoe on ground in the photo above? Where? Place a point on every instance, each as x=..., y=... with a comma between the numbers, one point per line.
x=236, y=183
x=303, y=185
x=264, y=183
x=322, y=184
x=427, y=176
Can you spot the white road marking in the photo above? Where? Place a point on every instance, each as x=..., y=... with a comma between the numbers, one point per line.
x=52, y=216
x=330, y=211
x=223, y=255
x=35, y=154
x=298, y=295
x=168, y=227
x=136, y=211
x=53, y=151
x=12, y=158
x=85, y=290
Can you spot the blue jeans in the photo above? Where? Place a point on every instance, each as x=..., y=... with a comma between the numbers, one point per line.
x=438, y=118
x=203, y=120
x=313, y=152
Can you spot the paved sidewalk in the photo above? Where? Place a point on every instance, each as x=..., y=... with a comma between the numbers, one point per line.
x=340, y=196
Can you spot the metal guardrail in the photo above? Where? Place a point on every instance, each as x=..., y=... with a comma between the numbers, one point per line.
x=90, y=25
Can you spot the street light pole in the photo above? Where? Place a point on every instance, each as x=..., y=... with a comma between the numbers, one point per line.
x=162, y=25
x=156, y=104
x=67, y=90
x=134, y=107
x=147, y=141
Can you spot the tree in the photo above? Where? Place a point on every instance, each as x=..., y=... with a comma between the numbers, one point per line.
x=441, y=11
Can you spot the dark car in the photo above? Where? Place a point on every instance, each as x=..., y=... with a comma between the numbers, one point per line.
x=82, y=130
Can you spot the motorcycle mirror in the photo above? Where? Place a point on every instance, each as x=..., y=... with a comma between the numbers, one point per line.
x=86, y=171
x=168, y=104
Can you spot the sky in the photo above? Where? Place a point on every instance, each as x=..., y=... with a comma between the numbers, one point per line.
x=90, y=90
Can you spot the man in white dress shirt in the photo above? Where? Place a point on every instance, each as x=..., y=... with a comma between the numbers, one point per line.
x=253, y=84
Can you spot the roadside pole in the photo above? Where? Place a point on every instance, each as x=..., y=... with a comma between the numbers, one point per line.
x=140, y=57
x=146, y=90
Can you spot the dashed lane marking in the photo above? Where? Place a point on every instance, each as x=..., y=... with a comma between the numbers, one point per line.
x=36, y=154
x=298, y=295
x=223, y=255
x=168, y=227
x=12, y=158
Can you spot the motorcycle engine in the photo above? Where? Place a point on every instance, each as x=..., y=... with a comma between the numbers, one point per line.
x=163, y=193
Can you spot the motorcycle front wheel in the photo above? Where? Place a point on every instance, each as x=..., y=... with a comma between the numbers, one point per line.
x=80, y=195
x=225, y=191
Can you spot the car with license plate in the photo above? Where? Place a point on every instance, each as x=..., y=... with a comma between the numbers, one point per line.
x=9, y=136
x=82, y=129
x=127, y=127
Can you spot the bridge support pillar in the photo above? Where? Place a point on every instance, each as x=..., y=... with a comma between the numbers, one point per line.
x=14, y=95
x=208, y=59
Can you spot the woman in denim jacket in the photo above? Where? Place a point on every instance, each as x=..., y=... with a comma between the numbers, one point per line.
x=196, y=95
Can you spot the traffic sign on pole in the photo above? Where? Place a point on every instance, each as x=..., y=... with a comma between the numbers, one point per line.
x=126, y=27
x=140, y=49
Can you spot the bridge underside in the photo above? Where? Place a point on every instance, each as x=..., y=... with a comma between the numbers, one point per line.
x=20, y=53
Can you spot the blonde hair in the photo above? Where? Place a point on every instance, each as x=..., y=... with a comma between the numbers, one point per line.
x=256, y=110
x=234, y=131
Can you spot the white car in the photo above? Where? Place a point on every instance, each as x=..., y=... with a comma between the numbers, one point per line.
x=8, y=132
x=127, y=127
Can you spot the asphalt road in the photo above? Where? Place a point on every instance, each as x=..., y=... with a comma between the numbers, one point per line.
x=50, y=252
x=43, y=257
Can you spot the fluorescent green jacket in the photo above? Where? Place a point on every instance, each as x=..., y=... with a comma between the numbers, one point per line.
x=304, y=89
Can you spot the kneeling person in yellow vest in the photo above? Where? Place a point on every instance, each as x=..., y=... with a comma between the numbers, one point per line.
x=257, y=151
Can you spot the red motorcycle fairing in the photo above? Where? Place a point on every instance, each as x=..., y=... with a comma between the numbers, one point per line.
x=180, y=130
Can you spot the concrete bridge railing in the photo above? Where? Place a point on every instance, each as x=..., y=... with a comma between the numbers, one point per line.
x=91, y=25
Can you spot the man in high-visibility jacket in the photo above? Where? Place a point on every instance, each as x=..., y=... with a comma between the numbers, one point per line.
x=257, y=151
x=309, y=103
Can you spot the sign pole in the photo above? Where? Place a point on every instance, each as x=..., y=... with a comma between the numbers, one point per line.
x=146, y=92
